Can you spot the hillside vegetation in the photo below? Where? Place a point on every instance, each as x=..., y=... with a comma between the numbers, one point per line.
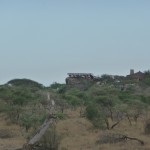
x=110, y=114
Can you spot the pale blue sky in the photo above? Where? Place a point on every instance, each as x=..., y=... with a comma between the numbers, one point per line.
x=43, y=40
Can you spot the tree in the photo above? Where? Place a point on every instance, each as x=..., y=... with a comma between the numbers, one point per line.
x=107, y=103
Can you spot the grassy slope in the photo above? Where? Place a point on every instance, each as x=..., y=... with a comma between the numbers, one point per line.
x=78, y=134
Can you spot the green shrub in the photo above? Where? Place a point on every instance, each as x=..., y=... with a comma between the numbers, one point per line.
x=145, y=99
x=147, y=127
x=91, y=112
x=25, y=83
x=146, y=81
x=60, y=116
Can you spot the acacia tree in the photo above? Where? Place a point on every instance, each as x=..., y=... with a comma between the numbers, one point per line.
x=96, y=116
x=132, y=110
x=100, y=111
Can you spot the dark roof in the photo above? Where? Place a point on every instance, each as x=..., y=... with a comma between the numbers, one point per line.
x=137, y=75
x=81, y=74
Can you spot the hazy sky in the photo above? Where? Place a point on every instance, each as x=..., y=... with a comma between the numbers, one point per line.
x=43, y=40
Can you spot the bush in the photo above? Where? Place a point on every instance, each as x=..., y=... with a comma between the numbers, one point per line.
x=110, y=138
x=60, y=116
x=91, y=112
x=29, y=121
x=145, y=99
x=96, y=116
x=147, y=127
x=72, y=100
x=146, y=81
x=25, y=82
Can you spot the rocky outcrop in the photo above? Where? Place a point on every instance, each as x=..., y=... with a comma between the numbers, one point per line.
x=81, y=83
x=81, y=80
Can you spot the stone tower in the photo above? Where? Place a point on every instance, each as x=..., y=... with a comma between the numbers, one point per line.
x=131, y=71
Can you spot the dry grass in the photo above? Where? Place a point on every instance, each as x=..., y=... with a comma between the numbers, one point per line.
x=16, y=140
x=78, y=134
